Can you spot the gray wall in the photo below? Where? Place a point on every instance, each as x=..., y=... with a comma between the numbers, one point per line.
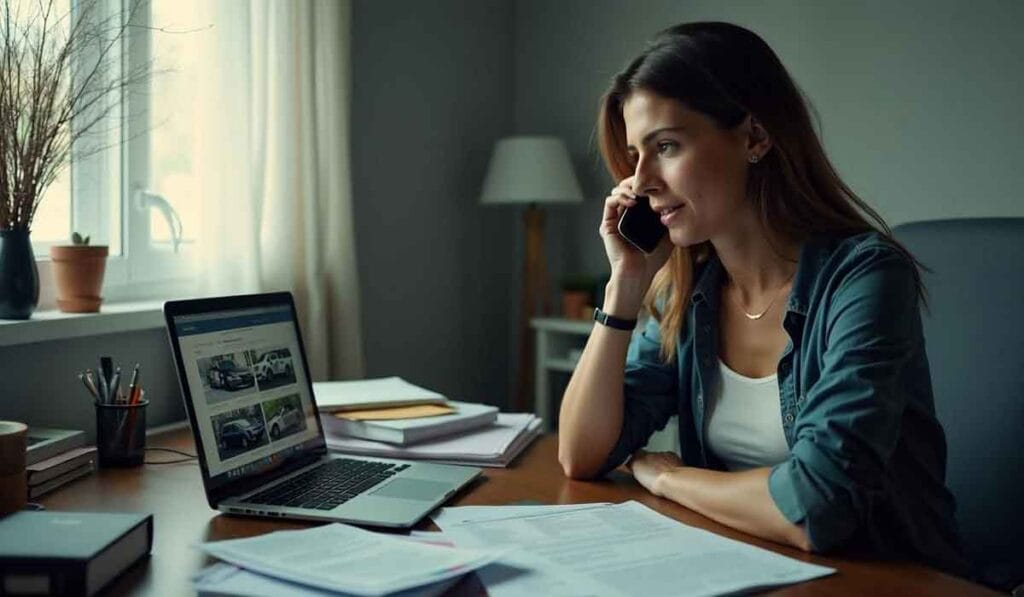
x=919, y=100
x=432, y=90
x=41, y=386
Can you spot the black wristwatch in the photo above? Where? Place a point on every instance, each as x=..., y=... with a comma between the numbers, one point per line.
x=614, y=322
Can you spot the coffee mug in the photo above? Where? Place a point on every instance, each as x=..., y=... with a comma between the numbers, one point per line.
x=13, y=485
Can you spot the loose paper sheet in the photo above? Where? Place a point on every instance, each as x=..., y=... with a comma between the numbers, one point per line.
x=454, y=515
x=625, y=549
x=226, y=579
x=339, y=557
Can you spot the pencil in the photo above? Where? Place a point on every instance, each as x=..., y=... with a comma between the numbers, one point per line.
x=88, y=385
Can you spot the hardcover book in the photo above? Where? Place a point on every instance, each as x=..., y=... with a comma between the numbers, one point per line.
x=36, y=490
x=44, y=442
x=51, y=468
x=69, y=553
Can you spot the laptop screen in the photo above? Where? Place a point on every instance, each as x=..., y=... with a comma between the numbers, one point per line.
x=249, y=388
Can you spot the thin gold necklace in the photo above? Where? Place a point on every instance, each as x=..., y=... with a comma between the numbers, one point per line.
x=756, y=316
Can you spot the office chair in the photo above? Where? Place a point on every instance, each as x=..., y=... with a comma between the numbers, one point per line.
x=974, y=335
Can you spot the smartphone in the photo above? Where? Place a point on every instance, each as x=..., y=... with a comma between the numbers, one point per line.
x=641, y=226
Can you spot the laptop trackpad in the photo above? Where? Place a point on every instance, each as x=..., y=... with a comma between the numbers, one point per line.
x=413, y=489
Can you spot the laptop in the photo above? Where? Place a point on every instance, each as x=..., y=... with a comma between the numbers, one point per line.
x=249, y=396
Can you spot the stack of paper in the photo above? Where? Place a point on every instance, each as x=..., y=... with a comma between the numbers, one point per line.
x=462, y=417
x=340, y=396
x=496, y=445
x=335, y=559
x=622, y=549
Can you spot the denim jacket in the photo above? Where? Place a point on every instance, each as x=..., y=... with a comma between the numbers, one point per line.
x=866, y=470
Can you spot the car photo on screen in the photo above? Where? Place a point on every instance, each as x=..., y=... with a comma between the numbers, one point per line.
x=284, y=416
x=226, y=377
x=272, y=368
x=239, y=430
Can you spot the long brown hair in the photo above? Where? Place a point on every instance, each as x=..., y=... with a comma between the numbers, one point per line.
x=727, y=72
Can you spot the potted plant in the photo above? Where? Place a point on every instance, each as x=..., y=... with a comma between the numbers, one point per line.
x=60, y=78
x=78, y=274
x=577, y=296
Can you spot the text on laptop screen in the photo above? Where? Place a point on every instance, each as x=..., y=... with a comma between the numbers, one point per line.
x=248, y=385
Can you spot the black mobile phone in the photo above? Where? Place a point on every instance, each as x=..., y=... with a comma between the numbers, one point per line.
x=641, y=226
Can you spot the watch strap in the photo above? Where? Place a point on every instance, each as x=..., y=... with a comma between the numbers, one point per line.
x=614, y=322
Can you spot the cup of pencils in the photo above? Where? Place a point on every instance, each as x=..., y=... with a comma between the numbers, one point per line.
x=120, y=415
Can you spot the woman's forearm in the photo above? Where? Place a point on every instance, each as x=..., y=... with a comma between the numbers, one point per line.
x=739, y=500
x=590, y=418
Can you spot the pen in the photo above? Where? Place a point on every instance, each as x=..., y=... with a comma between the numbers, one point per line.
x=107, y=367
x=88, y=385
x=114, y=385
x=104, y=396
x=134, y=382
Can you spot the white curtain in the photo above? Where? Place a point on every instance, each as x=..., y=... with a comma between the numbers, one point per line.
x=274, y=159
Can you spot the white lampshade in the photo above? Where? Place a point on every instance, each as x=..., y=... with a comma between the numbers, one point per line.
x=530, y=170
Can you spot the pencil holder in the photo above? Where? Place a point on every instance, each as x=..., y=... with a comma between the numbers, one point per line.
x=121, y=434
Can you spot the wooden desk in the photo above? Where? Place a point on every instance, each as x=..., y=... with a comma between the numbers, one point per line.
x=174, y=494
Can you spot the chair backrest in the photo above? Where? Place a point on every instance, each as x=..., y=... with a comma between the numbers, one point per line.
x=974, y=334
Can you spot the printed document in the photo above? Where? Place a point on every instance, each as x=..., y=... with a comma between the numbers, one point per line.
x=339, y=557
x=224, y=579
x=454, y=515
x=625, y=549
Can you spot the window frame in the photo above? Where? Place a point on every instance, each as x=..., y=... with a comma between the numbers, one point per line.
x=137, y=268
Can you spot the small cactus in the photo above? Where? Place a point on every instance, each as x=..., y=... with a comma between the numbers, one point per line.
x=77, y=239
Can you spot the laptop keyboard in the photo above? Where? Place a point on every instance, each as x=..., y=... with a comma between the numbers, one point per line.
x=329, y=485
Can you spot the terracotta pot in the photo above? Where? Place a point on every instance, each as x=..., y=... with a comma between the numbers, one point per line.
x=574, y=304
x=78, y=275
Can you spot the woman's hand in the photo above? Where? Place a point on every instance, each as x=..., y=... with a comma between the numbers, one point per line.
x=648, y=467
x=629, y=266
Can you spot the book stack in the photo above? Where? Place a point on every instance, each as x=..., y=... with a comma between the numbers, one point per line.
x=56, y=457
x=393, y=418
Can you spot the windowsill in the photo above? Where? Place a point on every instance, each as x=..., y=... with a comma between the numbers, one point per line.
x=55, y=325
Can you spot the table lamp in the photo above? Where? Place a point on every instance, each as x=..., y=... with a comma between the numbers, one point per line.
x=530, y=171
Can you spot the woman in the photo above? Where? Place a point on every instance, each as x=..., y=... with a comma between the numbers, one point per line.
x=785, y=330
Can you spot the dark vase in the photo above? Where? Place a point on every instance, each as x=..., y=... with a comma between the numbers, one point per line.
x=19, y=278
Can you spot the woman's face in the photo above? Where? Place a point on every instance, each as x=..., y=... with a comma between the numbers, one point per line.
x=693, y=171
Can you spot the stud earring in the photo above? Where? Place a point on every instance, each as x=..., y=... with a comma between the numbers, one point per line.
x=754, y=158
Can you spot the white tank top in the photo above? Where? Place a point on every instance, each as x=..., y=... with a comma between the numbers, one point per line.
x=743, y=425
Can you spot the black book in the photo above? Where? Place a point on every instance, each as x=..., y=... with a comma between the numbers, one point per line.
x=69, y=553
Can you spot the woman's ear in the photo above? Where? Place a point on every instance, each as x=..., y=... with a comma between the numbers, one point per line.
x=759, y=142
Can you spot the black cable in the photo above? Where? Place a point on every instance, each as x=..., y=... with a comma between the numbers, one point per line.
x=188, y=457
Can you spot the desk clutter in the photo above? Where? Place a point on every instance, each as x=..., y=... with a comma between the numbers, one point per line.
x=120, y=413
x=580, y=549
x=392, y=418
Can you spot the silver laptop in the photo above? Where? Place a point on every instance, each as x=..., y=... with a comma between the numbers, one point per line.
x=249, y=396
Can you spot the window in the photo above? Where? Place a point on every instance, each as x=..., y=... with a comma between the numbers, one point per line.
x=138, y=195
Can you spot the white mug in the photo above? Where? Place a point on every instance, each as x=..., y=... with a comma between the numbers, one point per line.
x=13, y=484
